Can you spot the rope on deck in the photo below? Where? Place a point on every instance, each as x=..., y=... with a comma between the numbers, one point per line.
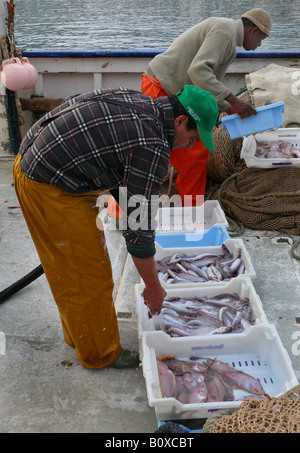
x=235, y=228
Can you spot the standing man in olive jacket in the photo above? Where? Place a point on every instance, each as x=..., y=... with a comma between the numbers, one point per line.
x=201, y=56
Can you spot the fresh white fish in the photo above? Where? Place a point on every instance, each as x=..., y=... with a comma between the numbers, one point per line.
x=223, y=313
x=200, y=268
x=244, y=381
x=166, y=379
x=276, y=150
x=222, y=330
x=195, y=382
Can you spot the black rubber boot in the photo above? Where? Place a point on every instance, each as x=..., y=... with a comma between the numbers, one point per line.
x=127, y=359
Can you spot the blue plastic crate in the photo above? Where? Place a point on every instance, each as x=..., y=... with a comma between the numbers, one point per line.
x=268, y=117
x=215, y=236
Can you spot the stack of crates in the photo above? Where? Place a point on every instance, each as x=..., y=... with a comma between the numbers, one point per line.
x=257, y=350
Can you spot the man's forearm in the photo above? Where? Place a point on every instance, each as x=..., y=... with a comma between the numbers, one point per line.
x=147, y=270
x=239, y=106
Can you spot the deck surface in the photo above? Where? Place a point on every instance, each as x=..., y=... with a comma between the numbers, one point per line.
x=44, y=389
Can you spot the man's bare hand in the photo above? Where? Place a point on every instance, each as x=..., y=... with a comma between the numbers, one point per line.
x=153, y=298
x=154, y=294
x=239, y=106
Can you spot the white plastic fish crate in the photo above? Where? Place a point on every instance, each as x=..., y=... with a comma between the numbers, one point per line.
x=190, y=219
x=258, y=352
x=242, y=286
x=291, y=135
x=233, y=246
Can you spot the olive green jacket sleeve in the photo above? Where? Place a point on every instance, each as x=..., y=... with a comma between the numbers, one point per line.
x=214, y=57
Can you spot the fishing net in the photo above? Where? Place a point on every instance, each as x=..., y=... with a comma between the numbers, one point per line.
x=260, y=199
x=225, y=160
x=265, y=199
x=169, y=185
x=275, y=415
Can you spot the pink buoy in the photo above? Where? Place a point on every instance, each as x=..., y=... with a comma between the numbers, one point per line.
x=13, y=74
x=31, y=73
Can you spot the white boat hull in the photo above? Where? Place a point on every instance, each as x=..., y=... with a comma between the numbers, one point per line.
x=65, y=73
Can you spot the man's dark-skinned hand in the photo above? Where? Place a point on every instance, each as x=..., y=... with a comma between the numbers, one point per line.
x=239, y=106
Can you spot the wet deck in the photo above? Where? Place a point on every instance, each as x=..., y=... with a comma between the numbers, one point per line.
x=45, y=390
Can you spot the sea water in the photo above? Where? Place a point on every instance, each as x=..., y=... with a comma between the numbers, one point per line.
x=136, y=24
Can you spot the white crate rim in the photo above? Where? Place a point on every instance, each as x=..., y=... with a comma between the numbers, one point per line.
x=282, y=134
x=243, y=284
x=213, y=215
x=232, y=244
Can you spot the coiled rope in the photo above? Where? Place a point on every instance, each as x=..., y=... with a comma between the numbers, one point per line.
x=237, y=228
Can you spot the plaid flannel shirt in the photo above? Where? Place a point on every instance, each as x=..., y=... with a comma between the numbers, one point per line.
x=98, y=145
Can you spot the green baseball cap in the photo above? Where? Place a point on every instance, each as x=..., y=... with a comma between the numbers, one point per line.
x=203, y=108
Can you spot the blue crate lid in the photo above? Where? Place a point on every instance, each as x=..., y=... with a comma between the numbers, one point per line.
x=268, y=117
x=215, y=236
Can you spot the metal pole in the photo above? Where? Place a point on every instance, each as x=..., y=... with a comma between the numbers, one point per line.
x=5, y=145
x=2, y=19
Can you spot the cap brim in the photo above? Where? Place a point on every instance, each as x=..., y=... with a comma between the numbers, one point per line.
x=206, y=138
x=262, y=28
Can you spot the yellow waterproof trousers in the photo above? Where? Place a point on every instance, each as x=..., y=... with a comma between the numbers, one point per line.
x=76, y=263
